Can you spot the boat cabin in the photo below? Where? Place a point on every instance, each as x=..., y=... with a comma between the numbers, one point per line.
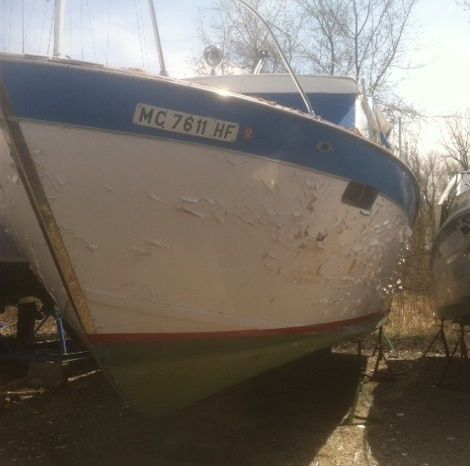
x=456, y=196
x=335, y=99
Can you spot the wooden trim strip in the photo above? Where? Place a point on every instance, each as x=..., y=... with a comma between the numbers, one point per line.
x=28, y=174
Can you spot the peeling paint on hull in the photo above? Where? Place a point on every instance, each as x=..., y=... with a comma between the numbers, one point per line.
x=252, y=259
x=272, y=252
x=171, y=237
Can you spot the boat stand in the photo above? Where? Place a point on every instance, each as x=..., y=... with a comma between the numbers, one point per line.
x=462, y=346
x=379, y=353
x=439, y=335
x=42, y=362
x=352, y=418
x=365, y=377
x=24, y=356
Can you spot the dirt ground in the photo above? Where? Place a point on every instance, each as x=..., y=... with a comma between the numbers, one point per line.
x=291, y=416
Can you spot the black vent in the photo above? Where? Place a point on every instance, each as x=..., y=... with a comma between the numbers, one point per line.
x=359, y=195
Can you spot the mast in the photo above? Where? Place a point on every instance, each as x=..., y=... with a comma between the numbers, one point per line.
x=59, y=10
x=156, y=34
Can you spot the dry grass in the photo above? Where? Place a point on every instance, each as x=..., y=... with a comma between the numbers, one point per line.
x=412, y=315
x=8, y=320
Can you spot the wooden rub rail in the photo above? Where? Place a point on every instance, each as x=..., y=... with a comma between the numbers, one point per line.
x=27, y=171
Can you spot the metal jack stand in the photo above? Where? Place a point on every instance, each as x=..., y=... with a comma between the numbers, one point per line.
x=440, y=334
x=44, y=362
x=463, y=347
x=379, y=352
x=349, y=420
x=60, y=331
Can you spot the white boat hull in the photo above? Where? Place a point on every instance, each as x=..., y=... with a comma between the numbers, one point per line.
x=202, y=237
x=169, y=237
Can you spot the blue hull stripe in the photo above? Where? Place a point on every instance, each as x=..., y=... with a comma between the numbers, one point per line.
x=337, y=108
x=107, y=100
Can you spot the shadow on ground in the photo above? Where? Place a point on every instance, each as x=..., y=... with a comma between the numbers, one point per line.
x=279, y=418
x=419, y=423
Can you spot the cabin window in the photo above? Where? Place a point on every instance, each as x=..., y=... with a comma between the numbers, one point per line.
x=359, y=195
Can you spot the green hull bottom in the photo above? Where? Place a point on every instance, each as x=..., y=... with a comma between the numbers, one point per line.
x=158, y=377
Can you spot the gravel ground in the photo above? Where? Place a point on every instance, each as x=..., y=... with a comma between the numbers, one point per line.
x=291, y=416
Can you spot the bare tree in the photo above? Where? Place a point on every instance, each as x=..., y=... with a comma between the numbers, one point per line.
x=366, y=39
x=432, y=175
x=243, y=39
x=465, y=4
x=457, y=141
x=414, y=305
x=361, y=38
x=325, y=21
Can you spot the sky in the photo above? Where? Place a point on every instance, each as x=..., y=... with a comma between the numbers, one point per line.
x=441, y=86
x=118, y=33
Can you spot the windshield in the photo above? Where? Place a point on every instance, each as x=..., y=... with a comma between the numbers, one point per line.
x=463, y=184
x=458, y=185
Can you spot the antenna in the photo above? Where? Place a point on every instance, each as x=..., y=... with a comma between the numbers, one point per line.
x=153, y=17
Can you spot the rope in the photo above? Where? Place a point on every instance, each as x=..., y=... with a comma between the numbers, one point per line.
x=43, y=26
x=70, y=33
x=139, y=34
x=92, y=34
x=108, y=32
x=51, y=28
x=9, y=27
x=30, y=17
x=22, y=27
x=144, y=36
x=4, y=27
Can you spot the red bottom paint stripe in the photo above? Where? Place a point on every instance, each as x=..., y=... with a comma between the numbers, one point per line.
x=105, y=338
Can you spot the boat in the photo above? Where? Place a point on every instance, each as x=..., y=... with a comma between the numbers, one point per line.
x=450, y=261
x=195, y=236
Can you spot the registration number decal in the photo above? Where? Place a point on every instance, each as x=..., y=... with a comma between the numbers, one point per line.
x=185, y=123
